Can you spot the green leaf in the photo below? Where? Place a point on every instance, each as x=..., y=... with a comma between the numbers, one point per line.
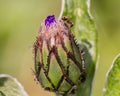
x=9, y=86
x=78, y=12
x=112, y=86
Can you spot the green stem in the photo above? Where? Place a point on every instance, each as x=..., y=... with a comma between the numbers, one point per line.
x=65, y=95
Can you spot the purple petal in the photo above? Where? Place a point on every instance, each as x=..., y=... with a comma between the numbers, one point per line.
x=49, y=20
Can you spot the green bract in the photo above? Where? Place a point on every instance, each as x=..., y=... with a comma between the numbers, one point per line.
x=59, y=64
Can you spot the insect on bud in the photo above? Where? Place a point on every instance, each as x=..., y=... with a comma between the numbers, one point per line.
x=59, y=64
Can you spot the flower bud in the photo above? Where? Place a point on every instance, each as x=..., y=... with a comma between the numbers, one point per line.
x=59, y=64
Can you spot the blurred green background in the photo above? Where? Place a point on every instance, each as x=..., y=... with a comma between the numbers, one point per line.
x=107, y=17
x=19, y=24
x=20, y=21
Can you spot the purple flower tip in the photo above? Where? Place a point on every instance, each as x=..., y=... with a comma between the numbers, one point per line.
x=49, y=20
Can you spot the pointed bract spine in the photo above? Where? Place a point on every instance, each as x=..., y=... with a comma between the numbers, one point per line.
x=53, y=35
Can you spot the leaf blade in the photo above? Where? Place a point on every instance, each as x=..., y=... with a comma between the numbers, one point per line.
x=112, y=86
x=9, y=86
x=85, y=32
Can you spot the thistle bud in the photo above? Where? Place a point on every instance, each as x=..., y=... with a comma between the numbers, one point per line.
x=59, y=64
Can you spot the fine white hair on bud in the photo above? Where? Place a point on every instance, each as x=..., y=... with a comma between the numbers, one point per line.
x=59, y=62
x=53, y=31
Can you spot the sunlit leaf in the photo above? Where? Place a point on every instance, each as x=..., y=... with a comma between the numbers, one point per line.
x=112, y=87
x=85, y=32
x=9, y=86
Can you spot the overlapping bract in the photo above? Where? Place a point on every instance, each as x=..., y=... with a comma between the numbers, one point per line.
x=59, y=64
